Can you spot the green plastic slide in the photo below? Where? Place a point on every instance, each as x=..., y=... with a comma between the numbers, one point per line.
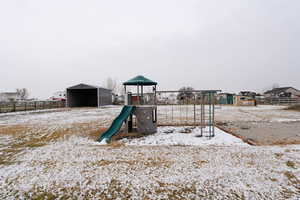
x=116, y=125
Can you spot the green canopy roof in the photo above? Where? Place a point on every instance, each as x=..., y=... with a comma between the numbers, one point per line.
x=140, y=80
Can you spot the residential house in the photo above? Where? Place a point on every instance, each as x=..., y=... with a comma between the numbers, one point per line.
x=288, y=92
x=8, y=96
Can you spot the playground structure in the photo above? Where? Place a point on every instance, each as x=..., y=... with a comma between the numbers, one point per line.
x=136, y=115
x=188, y=108
x=143, y=112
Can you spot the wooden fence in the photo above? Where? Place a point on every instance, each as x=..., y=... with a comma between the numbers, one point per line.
x=6, y=107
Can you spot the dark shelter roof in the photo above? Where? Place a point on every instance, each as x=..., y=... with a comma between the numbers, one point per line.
x=140, y=80
x=82, y=86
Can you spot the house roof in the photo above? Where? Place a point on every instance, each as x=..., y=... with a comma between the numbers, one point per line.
x=278, y=90
x=140, y=80
x=82, y=86
x=226, y=93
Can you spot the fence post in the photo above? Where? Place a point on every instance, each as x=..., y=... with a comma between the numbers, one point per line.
x=25, y=106
x=194, y=110
x=14, y=107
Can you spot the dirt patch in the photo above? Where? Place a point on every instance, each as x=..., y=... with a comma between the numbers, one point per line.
x=116, y=144
x=291, y=164
x=264, y=133
x=294, y=107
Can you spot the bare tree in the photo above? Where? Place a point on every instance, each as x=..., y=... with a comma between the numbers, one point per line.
x=22, y=93
x=112, y=84
x=275, y=85
x=185, y=93
x=271, y=87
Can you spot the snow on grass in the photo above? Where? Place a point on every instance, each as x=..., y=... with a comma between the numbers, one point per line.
x=4, y=140
x=61, y=116
x=175, y=136
x=106, y=114
x=81, y=168
x=31, y=112
x=77, y=167
x=29, y=130
x=180, y=114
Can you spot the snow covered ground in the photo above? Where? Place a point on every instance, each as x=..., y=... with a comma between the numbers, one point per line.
x=61, y=116
x=168, y=135
x=80, y=168
x=184, y=113
x=54, y=155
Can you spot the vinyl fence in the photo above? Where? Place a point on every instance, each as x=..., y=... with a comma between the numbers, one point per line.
x=279, y=101
x=6, y=107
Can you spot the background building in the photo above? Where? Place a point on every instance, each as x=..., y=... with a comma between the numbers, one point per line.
x=59, y=96
x=283, y=92
x=84, y=95
x=8, y=96
x=225, y=98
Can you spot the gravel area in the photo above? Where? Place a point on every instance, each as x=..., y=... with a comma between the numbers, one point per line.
x=262, y=125
x=265, y=133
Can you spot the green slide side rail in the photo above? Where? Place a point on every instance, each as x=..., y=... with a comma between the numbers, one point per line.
x=117, y=124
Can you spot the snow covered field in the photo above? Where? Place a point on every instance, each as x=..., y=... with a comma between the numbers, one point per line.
x=184, y=113
x=53, y=155
x=79, y=167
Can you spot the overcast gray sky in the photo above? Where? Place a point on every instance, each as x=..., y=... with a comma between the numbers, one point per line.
x=231, y=45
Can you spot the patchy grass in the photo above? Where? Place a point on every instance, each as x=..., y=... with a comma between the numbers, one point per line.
x=289, y=175
x=148, y=162
x=179, y=145
x=40, y=194
x=90, y=129
x=283, y=143
x=278, y=155
x=291, y=164
x=38, y=136
x=251, y=163
x=115, y=189
x=35, y=145
x=200, y=163
x=116, y=144
x=15, y=130
x=293, y=107
x=274, y=179
x=293, y=180
x=116, y=171
x=102, y=163
x=157, y=162
x=3, y=161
